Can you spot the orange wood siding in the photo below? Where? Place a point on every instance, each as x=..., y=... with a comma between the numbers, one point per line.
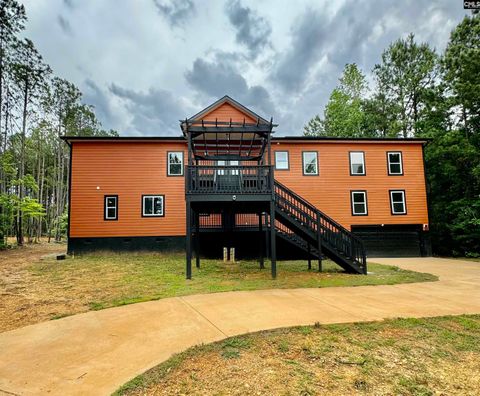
x=225, y=112
x=330, y=190
x=126, y=169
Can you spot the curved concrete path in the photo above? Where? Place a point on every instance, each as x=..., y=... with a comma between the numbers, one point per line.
x=96, y=352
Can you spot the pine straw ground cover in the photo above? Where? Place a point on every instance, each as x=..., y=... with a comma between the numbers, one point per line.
x=35, y=287
x=434, y=356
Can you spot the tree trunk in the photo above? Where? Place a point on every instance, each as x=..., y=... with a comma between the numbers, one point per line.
x=22, y=162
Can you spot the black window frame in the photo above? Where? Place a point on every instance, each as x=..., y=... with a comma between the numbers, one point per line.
x=390, y=192
x=181, y=165
x=350, y=163
x=152, y=196
x=105, y=207
x=364, y=192
x=288, y=159
x=401, y=163
x=303, y=163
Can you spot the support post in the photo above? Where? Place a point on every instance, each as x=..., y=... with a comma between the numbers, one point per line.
x=319, y=243
x=189, y=241
x=273, y=249
x=197, y=239
x=260, y=239
x=309, y=257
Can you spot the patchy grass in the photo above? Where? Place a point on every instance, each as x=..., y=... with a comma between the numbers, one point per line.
x=34, y=289
x=401, y=356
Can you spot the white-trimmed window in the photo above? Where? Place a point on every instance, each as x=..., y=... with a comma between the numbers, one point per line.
x=281, y=160
x=359, y=203
x=175, y=163
x=110, y=211
x=395, y=165
x=310, y=163
x=357, y=163
x=397, y=202
x=153, y=205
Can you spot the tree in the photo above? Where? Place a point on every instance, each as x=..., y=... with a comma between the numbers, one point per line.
x=343, y=113
x=406, y=71
x=461, y=69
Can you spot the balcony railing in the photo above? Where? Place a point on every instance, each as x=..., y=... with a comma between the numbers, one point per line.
x=229, y=179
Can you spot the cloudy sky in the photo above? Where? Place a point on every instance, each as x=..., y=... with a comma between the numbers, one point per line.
x=145, y=64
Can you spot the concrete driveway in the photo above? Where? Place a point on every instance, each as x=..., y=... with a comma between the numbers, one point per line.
x=96, y=352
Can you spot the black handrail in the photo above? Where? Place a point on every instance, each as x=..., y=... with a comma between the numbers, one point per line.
x=337, y=237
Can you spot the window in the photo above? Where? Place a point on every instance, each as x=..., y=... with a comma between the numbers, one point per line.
x=111, y=207
x=357, y=163
x=175, y=163
x=397, y=202
x=152, y=205
x=232, y=163
x=281, y=160
x=395, y=166
x=359, y=203
x=310, y=163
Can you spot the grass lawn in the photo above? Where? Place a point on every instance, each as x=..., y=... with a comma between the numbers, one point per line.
x=34, y=289
x=434, y=356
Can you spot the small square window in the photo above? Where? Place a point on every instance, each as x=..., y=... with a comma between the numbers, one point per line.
x=175, y=163
x=395, y=165
x=110, y=207
x=152, y=205
x=397, y=202
x=281, y=160
x=310, y=163
x=357, y=163
x=359, y=203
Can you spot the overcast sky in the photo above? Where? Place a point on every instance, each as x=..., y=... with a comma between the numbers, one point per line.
x=145, y=64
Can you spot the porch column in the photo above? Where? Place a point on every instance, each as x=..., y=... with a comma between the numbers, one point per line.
x=261, y=239
x=273, y=249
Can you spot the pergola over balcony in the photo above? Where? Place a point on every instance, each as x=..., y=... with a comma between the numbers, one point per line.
x=227, y=140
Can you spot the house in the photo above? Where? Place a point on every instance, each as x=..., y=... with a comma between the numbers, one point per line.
x=227, y=178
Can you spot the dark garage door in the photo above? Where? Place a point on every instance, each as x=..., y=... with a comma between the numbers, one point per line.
x=391, y=241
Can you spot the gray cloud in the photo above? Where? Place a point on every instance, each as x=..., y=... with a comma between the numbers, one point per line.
x=93, y=95
x=155, y=112
x=175, y=11
x=69, y=3
x=252, y=30
x=218, y=78
x=64, y=24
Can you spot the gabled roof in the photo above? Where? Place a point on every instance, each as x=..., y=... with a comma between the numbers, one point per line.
x=232, y=102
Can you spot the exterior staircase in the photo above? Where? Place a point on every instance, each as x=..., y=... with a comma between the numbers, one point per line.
x=311, y=230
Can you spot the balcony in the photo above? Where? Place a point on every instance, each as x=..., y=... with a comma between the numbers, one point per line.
x=229, y=180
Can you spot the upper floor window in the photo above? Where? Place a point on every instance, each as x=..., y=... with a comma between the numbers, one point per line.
x=357, y=163
x=152, y=205
x=397, y=202
x=110, y=210
x=395, y=165
x=310, y=163
x=281, y=160
x=359, y=203
x=175, y=163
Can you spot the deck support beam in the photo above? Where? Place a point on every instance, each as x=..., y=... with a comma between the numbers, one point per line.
x=197, y=239
x=319, y=244
x=189, y=241
x=309, y=257
x=260, y=239
x=273, y=249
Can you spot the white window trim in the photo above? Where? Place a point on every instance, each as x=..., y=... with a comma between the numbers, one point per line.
x=304, y=163
x=169, y=163
x=352, y=163
x=153, y=214
x=402, y=201
x=107, y=197
x=287, y=162
x=364, y=193
x=389, y=163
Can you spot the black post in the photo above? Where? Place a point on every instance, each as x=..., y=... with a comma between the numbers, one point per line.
x=260, y=239
x=319, y=242
x=189, y=241
x=197, y=239
x=273, y=249
x=309, y=258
